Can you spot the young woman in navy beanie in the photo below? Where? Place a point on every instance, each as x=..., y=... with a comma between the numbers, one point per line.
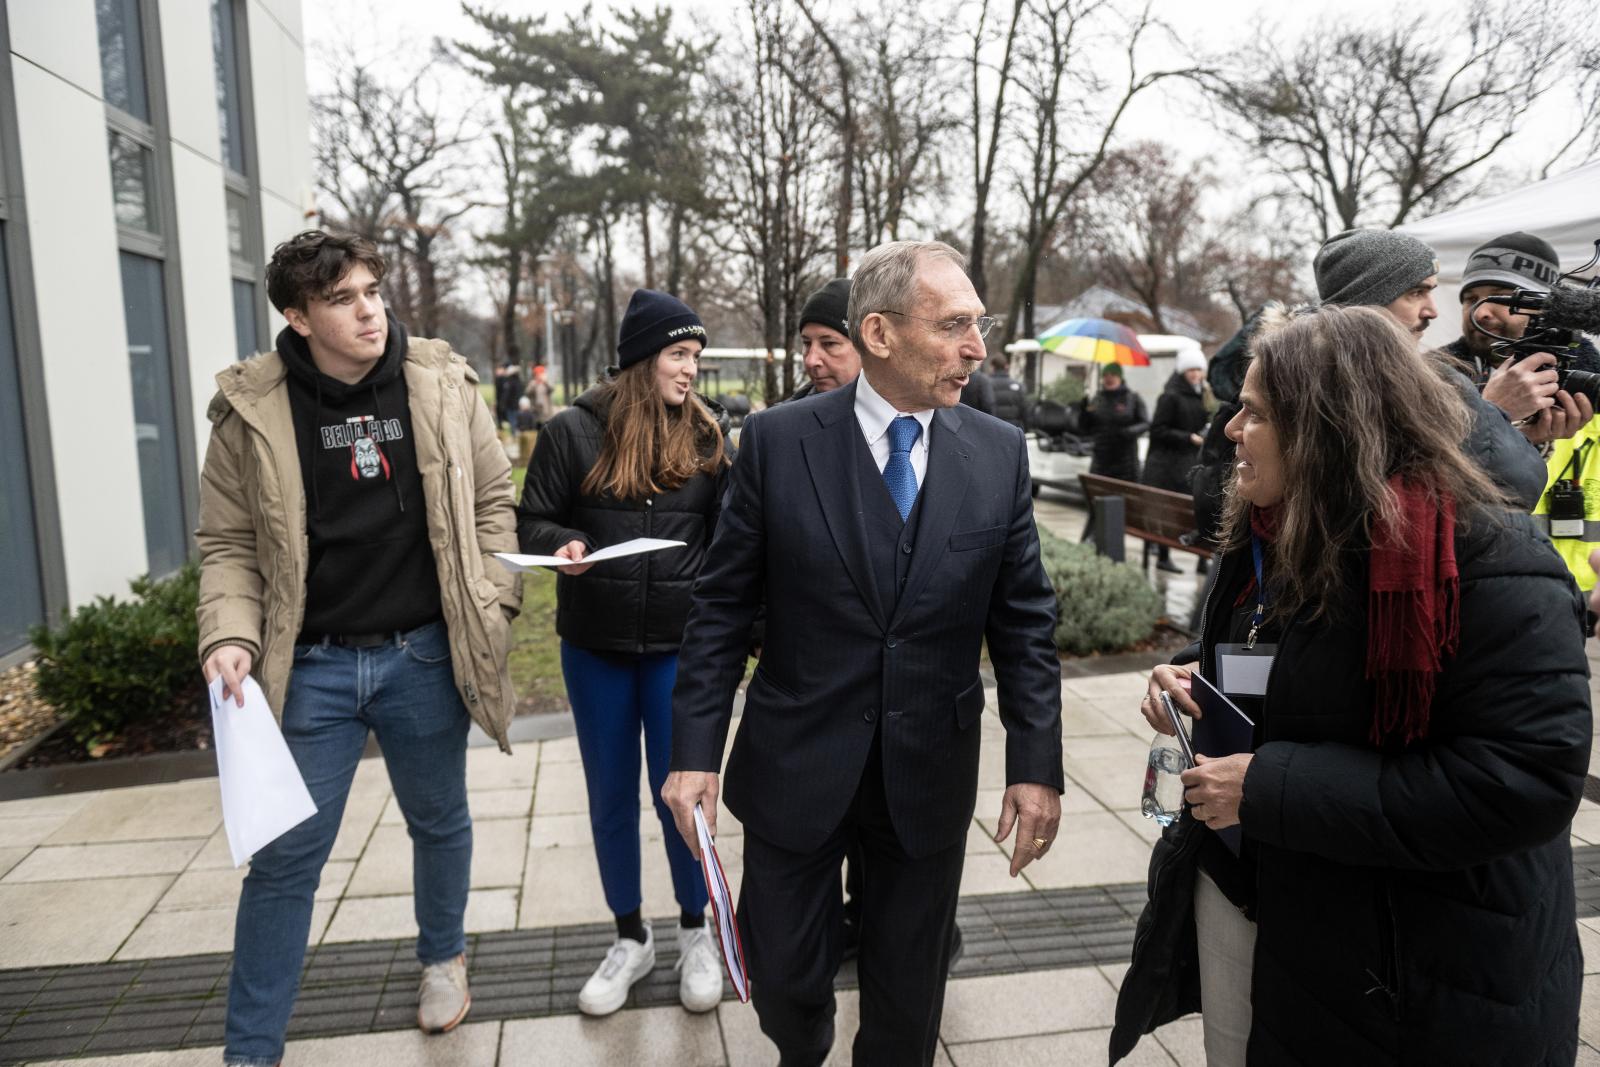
x=638, y=455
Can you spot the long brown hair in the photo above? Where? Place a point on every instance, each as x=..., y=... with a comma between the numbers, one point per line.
x=650, y=446
x=1353, y=403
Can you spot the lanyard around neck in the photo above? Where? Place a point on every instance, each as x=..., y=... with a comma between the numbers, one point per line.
x=1261, y=594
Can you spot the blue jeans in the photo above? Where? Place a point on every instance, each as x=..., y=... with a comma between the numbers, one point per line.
x=613, y=697
x=405, y=693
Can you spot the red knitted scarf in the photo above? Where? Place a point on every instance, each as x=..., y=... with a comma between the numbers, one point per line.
x=1413, y=607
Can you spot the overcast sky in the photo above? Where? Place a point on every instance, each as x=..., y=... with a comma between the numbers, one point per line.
x=1213, y=26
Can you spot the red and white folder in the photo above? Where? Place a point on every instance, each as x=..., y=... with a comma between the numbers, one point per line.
x=722, y=908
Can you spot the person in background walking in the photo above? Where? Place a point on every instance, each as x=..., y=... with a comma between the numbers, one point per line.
x=1116, y=417
x=543, y=397
x=1010, y=399
x=978, y=393
x=1176, y=434
x=526, y=424
x=639, y=455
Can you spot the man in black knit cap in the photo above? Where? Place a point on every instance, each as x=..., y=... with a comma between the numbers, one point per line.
x=353, y=495
x=1526, y=390
x=831, y=360
x=1398, y=273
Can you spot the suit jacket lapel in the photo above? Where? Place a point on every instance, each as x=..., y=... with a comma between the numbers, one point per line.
x=944, y=486
x=830, y=457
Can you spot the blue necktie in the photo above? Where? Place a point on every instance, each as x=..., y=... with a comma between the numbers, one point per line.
x=897, y=473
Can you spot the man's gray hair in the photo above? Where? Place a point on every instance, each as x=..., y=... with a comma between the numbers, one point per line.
x=887, y=279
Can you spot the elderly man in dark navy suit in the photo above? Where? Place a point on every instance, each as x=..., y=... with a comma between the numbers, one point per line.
x=900, y=526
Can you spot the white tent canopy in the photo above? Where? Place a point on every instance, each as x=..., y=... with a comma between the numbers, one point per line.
x=1564, y=210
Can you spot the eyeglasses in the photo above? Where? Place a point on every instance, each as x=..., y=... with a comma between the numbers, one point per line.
x=952, y=329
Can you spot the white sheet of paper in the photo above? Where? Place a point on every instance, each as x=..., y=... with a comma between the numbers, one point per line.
x=627, y=548
x=722, y=907
x=263, y=795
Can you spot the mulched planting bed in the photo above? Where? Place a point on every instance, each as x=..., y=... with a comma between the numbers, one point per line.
x=178, y=732
x=23, y=716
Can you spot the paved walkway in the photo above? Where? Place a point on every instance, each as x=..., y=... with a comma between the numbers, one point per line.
x=142, y=874
x=117, y=908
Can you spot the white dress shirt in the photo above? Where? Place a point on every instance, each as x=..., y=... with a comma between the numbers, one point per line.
x=874, y=413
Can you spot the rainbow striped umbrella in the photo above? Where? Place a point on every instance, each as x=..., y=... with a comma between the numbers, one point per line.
x=1095, y=341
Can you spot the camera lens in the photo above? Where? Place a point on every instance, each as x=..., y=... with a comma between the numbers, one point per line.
x=1581, y=381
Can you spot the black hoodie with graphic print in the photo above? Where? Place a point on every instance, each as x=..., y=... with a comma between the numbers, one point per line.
x=370, y=568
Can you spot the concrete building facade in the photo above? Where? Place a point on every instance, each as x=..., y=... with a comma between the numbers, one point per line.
x=152, y=152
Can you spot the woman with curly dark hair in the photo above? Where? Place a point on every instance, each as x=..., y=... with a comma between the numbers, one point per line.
x=1411, y=653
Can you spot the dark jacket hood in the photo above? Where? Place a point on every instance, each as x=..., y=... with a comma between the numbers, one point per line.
x=296, y=353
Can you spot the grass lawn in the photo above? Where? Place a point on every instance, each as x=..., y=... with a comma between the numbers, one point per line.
x=535, y=650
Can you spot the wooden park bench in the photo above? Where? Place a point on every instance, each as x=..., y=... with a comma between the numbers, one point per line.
x=1155, y=516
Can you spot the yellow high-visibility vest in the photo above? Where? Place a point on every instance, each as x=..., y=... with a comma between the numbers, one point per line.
x=1575, y=550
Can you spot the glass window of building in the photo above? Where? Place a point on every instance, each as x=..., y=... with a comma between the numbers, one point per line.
x=133, y=182
x=122, y=56
x=154, y=417
x=230, y=109
x=241, y=195
x=244, y=318
x=23, y=604
x=140, y=184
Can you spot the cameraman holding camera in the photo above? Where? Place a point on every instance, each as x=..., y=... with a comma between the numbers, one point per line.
x=1527, y=389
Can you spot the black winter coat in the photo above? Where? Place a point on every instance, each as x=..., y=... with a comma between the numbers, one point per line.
x=978, y=393
x=1117, y=418
x=1180, y=412
x=1010, y=401
x=1415, y=904
x=636, y=604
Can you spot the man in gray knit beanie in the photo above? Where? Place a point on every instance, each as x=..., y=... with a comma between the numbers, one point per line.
x=1380, y=268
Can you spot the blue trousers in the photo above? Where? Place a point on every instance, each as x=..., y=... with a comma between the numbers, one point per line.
x=614, y=697
x=404, y=692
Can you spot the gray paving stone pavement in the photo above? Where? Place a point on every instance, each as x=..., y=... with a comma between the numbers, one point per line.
x=117, y=898
x=370, y=987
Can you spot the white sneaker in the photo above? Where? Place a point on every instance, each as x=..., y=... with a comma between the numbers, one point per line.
x=699, y=970
x=442, y=997
x=626, y=962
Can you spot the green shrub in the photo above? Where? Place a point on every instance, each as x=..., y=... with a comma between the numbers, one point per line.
x=114, y=662
x=1101, y=606
x=1066, y=390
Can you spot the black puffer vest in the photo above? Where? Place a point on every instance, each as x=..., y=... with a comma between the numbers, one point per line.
x=636, y=604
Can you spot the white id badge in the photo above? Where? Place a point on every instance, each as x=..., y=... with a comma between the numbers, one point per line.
x=1243, y=671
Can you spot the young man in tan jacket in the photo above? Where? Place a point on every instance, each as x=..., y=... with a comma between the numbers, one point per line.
x=353, y=494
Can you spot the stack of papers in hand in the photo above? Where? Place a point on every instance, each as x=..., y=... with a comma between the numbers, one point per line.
x=627, y=548
x=263, y=795
x=722, y=908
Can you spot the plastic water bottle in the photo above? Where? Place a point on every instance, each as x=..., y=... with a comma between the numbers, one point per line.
x=1163, y=789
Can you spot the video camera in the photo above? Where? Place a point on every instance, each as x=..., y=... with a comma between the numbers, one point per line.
x=1555, y=319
